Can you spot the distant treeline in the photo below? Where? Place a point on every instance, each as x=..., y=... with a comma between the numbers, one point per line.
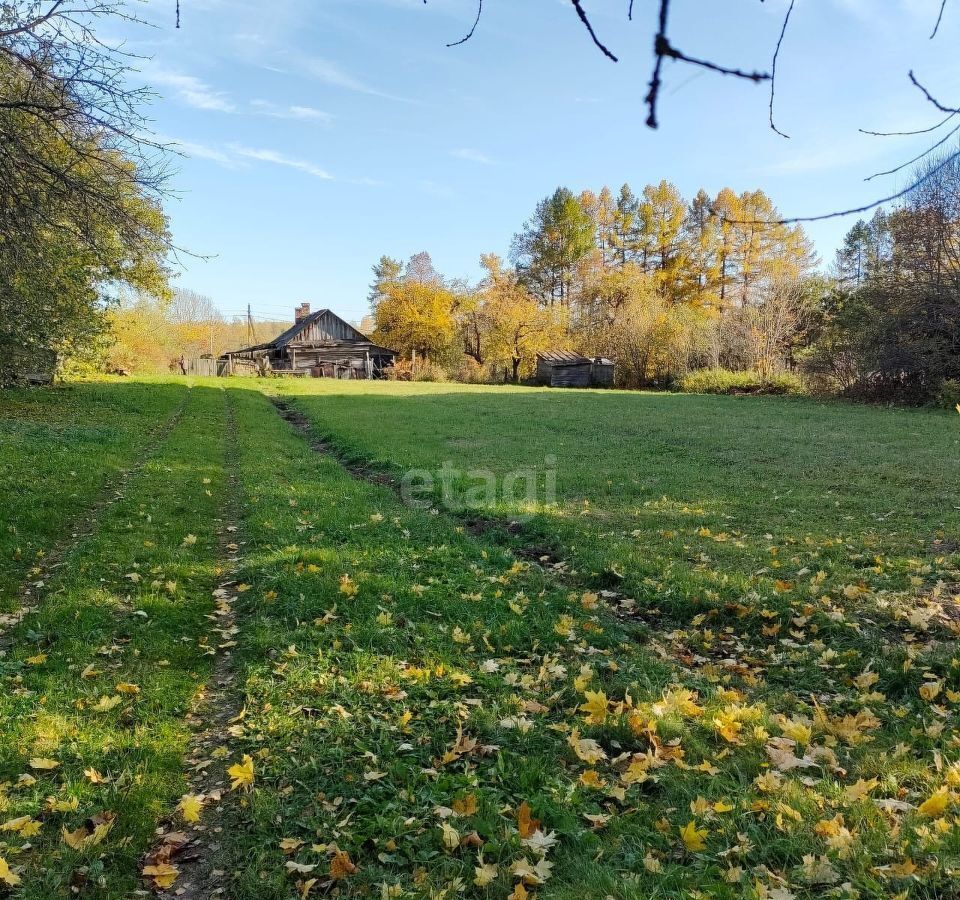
x=668, y=287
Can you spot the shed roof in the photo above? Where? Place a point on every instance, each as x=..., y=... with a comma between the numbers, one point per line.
x=563, y=358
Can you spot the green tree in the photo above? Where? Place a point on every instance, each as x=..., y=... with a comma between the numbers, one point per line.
x=385, y=271
x=549, y=249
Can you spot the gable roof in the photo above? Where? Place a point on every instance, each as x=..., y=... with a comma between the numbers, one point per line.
x=322, y=326
x=330, y=324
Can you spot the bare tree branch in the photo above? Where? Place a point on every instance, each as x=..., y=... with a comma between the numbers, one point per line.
x=469, y=34
x=917, y=158
x=773, y=67
x=33, y=24
x=930, y=97
x=577, y=5
x=663, y=49
x=936, y=28
x=939, y=124
x=797, y=220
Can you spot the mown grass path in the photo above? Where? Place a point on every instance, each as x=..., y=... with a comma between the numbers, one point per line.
x=66, y=452
x=97, y=686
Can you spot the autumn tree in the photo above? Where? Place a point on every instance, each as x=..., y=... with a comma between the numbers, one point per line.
x=414, y=314
x=518, y=325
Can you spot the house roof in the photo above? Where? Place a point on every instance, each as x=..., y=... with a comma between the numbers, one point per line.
x=350, y=333
x=563, y=358
x=341, y=331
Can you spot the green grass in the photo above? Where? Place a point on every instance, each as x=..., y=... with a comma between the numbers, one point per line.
x=757, y=598
x=127, y=608
x=60, y=447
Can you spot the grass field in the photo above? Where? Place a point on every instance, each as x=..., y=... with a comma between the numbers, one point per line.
x=719, y=662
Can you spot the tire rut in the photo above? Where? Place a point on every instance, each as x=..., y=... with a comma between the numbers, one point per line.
x=195, y=849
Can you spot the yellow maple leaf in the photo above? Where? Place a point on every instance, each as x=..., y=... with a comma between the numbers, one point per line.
x=935, y=805
x=242, y=773
x=190, y=807
x=126, y=687
x=465, y=806
x=107, y=703
x=484, y=873
x=341, y=866
x=519, y=892
x=347, y=586
x=595, y=708
x=583, y=679
x=694, y=839
x=930, y=690
x=163, y=874
x=39, y=762
x=6, y=876
x=586, y=749
x=37, y=660
x=76, y=839
x=31, y=829
x=860, y=790
x=591, y=779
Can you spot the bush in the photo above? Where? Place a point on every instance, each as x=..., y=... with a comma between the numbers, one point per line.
x=949, y=395
x=429, y=371
x=723, y=381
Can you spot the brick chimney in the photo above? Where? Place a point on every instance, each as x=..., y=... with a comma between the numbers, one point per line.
x=301, y=312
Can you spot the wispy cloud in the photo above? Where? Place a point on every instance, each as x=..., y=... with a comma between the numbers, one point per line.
x=436, y=190
x=330, y=73
x=192, y=91
x=472, y=155
x=303, y=113
x=280, y=159
x=196, y=150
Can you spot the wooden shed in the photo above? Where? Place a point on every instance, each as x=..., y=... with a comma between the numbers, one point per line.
x=320, y=344
x=563, y=368
x=602, y=372
x=19, y=365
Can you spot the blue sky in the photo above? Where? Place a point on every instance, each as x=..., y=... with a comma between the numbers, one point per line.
x=319, y=134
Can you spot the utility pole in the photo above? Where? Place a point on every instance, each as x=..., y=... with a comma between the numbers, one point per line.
x=251, y=331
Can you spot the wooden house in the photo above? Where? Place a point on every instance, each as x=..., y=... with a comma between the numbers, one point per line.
x=563, y=368
x=320, y=344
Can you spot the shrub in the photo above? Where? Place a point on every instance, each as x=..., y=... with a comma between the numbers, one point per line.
x=949, y=395
x=723, y=381
x=469, y=371
x=429, y=371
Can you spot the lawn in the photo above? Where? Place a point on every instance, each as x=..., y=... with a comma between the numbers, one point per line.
x=720, y=659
